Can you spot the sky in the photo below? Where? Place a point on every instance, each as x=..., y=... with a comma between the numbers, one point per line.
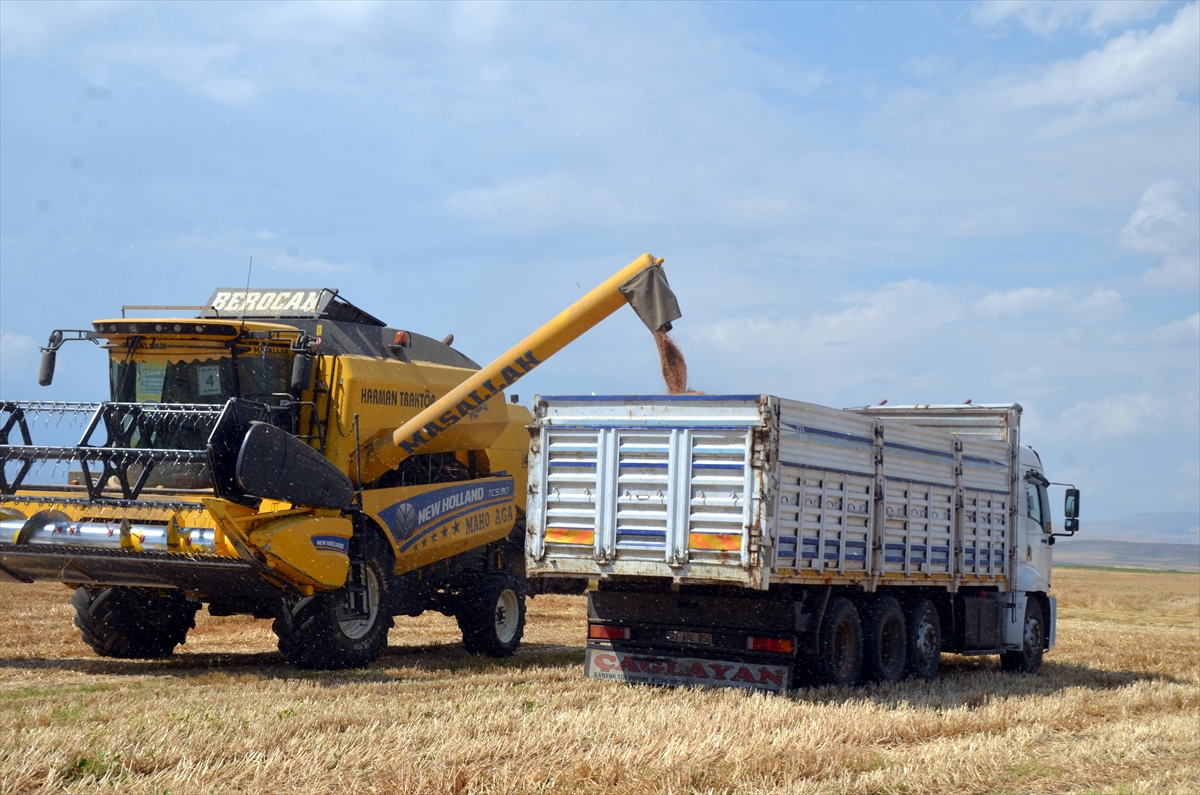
x=921, y=202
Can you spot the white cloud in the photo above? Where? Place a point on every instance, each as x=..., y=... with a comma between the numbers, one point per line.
x=1044, y=17
x=1175, y=272
x=1167, y=222
x=1134, y=63
x=892, y=315
x=31, y=26
x=17, y=353
x=1117, y=416
x=1100, y=306
x=1179, y=332
x=1020, y=301
x=206, y=69
x=1093, y=115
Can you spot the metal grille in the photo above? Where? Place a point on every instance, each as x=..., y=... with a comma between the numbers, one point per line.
x=720, y=494
x=570, y=505
x=825, y=523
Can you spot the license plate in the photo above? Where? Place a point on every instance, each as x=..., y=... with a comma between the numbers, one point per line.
x=698, y=638
x=648, y=669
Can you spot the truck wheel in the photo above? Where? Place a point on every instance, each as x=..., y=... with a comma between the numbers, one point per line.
x=884, y=641
x=839, y=661
x=1029, y=659
x=346, y=627
x=133, y=623
x=923, y=629
x=569, y=586
x=491, y=615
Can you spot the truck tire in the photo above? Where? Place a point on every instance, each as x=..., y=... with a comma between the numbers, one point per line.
x=923, y=631
x=840, y=644
x=567, y=586
x=346, y=627
x=491, y=614
x=133, y=623
x=1033, y=640
x=884, y=640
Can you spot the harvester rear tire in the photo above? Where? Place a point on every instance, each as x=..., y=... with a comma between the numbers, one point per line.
x=491, y=614
x=133, y=623
x=316, y=632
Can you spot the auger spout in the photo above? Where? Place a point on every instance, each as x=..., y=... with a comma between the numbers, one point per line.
x=641, y=284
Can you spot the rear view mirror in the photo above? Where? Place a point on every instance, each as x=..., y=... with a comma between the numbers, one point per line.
x=1071, y=510
x=49, y=354
x=301, y=372
x=1071, y=504
x=46, y=367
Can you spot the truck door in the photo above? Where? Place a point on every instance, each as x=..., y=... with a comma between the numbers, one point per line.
x=1037, y=528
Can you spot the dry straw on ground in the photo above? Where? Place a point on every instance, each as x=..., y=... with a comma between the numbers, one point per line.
x=1116, y=709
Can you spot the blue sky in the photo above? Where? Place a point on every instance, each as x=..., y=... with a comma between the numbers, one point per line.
x=923, y=202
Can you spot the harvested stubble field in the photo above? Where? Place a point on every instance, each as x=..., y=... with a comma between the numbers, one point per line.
x=1115, y=709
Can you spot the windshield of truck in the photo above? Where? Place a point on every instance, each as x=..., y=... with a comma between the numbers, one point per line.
x=201, y=380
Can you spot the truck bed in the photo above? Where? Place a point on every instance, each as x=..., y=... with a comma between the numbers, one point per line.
x=756, y=490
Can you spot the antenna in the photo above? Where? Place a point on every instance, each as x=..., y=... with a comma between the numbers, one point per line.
x=249, y=268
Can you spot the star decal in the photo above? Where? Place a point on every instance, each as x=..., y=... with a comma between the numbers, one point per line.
x=456, y=528
x=445, y=531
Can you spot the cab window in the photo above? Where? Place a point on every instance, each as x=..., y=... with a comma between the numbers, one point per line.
x=1035, y=503
x=209, y=380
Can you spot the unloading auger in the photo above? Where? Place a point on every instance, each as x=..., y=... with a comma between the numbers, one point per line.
x=287, y=455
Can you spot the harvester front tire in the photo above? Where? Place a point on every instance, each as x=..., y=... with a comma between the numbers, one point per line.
x=1029, y=659
x=491, y=614
x=319, y=633
x=884, y=640
x=133, y=623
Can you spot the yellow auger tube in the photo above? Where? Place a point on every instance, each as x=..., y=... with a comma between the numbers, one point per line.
x=467, y=398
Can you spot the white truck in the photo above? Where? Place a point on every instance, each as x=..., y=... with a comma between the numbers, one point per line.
x=754, y=541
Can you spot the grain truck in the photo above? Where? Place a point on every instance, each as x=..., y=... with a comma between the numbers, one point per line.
x=286, y=455
x=755, y=541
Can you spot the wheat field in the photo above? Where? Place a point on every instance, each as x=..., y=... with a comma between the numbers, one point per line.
x=1115, y=709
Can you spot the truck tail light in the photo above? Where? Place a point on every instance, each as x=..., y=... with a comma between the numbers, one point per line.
x=780, y=645
x=602, y=632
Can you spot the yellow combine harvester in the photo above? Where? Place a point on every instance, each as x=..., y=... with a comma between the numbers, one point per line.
x=289, y=456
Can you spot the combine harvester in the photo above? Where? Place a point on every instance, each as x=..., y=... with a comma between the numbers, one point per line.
x=286, y=455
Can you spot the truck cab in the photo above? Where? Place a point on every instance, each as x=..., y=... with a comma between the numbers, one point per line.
x=1034, y=556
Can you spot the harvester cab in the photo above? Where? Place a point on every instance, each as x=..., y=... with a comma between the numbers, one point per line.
x=287, y=455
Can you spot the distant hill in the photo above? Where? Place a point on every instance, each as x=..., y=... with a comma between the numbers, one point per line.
x=1163, y=528
x=1080, y=551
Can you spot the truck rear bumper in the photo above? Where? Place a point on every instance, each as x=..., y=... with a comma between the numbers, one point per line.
x=670, y=669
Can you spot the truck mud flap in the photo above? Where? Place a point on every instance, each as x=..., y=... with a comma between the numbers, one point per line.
x=671, y=670
x=209, y=575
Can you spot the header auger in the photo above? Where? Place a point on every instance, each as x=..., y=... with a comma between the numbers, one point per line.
x=285, y=454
